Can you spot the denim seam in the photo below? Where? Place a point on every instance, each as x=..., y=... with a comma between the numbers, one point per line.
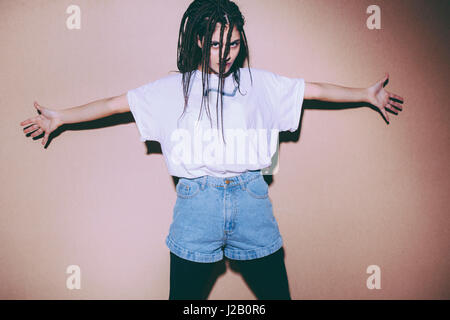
x=257, y=196
x=184, y=196
x=254, y=253
x=196, y=256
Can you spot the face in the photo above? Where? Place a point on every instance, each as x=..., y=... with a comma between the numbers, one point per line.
x=235, y=46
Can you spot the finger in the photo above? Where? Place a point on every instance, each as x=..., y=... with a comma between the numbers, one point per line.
x=37, y=133
x=28, y=121
x=34, y=120
x=385, y=78
x=44, y=141
x=391, y=109
x=37, y=106
x=35, y=126
x=385, y=115
x=396, y=104
x=31, y=128
x=396, y=97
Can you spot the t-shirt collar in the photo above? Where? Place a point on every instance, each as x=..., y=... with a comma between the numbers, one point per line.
x=229, y=88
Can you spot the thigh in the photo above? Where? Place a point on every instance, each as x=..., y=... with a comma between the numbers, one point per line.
x=267, y=276
x=255, y=232
x=196, y=231
x=189, y=280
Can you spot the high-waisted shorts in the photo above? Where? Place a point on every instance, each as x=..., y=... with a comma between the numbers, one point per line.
x=215, y=216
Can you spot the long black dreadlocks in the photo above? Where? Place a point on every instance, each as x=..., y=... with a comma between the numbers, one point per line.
x=200, y=21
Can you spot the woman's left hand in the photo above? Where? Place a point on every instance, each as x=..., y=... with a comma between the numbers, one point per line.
x=383, y=99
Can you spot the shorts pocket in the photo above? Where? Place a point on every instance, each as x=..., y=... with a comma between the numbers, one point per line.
x=258, y=188
x=187, y=189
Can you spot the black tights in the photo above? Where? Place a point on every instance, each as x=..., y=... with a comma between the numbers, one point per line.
x=265, y=276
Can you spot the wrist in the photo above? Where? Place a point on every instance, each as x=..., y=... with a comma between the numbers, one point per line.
x=60, y=117
x=366, y=95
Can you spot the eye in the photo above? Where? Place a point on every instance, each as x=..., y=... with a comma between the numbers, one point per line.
x=216, y=44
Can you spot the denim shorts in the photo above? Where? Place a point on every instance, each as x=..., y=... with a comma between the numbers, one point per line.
x=214, y=216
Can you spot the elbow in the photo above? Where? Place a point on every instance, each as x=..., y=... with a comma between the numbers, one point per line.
x=312, y=91
x=119, y=104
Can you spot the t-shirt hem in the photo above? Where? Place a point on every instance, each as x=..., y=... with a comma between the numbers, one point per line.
x=139, y=119
x=299, y=96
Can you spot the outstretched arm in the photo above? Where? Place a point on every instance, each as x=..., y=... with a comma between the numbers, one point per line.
x=49, y=120
x=375, y=95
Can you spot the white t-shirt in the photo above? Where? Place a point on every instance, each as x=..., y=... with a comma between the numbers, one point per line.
x=252, y=118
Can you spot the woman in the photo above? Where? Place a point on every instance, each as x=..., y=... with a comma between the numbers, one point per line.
x=222, y=207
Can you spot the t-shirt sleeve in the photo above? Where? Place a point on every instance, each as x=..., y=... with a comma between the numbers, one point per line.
x=285, y=96
x=143, y=102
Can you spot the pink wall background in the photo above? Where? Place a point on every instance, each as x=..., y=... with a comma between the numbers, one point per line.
x=351, y=191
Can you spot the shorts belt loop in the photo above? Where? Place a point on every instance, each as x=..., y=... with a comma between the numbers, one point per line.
x=242, y=182
x=203, y=183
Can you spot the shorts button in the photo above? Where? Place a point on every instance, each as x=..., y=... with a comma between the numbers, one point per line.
x=227, y=181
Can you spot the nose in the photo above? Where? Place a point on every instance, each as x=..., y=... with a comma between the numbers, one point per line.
x=227, y=59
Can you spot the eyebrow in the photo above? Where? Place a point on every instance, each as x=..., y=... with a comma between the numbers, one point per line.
x=237, y=40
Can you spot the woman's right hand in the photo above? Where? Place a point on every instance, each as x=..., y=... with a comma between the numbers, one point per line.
x=47, y=122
